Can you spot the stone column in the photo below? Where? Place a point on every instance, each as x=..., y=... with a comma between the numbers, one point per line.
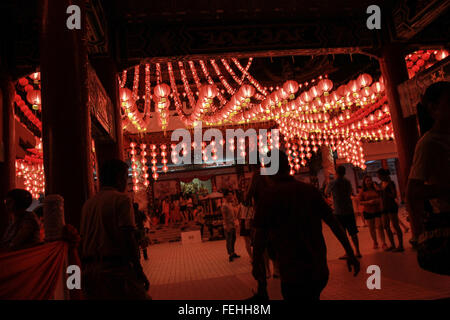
x=65, y=114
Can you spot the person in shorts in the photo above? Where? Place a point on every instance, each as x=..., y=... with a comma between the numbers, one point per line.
x=370, y=200
x=341, y=189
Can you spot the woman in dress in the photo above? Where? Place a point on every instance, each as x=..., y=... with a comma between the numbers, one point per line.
x=370, y=200
x=390, y=209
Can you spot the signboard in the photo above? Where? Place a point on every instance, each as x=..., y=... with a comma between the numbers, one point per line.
x=100, y=104
x=411, y=91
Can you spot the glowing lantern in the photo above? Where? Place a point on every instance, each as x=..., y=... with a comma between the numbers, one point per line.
x=125, y=94
x=377, y=87
x=364, y=80
x=353, y=86
x=291, y=87
x=325, y=85
x=162, y=90
x=315, y=92
x=23, y=82
x=442, y=54
x=306, y=97
x=247, y=91
x=343, y=90
x=209, y=91
x=34, y=97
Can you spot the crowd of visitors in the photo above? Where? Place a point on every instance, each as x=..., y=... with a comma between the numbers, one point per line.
x=279, y=218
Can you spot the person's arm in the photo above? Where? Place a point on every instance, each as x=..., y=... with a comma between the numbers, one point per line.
x=328, y=217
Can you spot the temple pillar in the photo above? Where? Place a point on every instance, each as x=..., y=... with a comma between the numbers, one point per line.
x=107, y=73
x=7, y=144
x=65, y=113
x=393, y=69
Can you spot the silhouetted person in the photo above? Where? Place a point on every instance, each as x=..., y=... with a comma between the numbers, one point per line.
x=141, y=236
x=24, y=228
x=341, y=189
x=290, y=217
x=229, y=226
x=110, y=253
x=428, y=191
x=390, y=208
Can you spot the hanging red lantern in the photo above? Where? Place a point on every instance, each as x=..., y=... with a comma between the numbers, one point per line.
x=34, y=98
x=306, y=97
x=377, y=87
x=315, y=91
x=23, y=82
x=162, y=90
x=364, y=80
x=343, y=90
x=247, y=91
x=325, y=85
x=441, y=55
x=208, y=91
x=36, y=76
x=291, y=87
x=125, y=94
x=353, y=86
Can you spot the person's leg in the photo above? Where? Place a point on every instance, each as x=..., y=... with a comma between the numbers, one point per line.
x=228, y=243
x=233, y=242
x=144, y=252
x=373, y=233
x=402, y=225
x=380, y=229
x=387, y=228
x=395, y=223
x=201, y=230
x=248, y=245
x=355, y=241
x=267, y=263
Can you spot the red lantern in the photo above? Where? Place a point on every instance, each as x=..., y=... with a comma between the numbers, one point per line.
x=353, y=86
x=23, y=82
x=306, y=97
x=291, y=87
x=162, y=90
x=247, y=91
x=125, y=94
x=377, y=87
x=343, y=90
x=34, y=97
x=28, y=88
x=420, y=62
x=364, y=80
x=315, y=91
x=325, y=85
x=442, y=54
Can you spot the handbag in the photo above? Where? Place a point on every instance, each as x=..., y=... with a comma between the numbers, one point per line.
x=433, y=245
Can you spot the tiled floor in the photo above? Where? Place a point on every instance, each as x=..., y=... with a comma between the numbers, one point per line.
x=202, y=271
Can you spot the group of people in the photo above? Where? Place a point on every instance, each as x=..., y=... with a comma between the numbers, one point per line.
x=379, y=209
x=281, y=218
x=176, y=209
